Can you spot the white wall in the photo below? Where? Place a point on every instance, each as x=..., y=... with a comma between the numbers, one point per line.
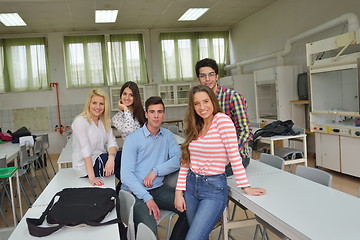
x=267, y=31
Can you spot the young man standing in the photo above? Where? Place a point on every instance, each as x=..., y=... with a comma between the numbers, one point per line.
x=231, y=102
x=148, y=155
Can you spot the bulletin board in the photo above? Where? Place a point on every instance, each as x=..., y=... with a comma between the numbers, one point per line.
x=35, y=119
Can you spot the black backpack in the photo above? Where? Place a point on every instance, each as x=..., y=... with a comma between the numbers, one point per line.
x=272, y=129
x=77, y=206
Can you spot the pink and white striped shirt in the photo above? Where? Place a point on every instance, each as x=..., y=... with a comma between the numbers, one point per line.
x=211, y=153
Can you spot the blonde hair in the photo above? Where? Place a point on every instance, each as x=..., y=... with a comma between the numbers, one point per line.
x=105, y=116
x=193, y=122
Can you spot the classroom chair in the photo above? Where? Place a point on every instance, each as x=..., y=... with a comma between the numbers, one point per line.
x=144, y=233
x=6, y=173
x=272, y=160
x=25, y=162
x=39, y=164
x=127, y=201
x=314, y=174
x=45, y=147
x=169, y=180
x=4, y=191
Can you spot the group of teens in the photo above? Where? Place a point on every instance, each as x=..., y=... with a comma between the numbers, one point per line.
x=217, y=130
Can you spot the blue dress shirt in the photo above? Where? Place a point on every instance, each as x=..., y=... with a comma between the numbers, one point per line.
x=143, y=152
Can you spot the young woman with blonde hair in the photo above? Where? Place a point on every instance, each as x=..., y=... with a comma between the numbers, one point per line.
x=210, y=144
x=94, y=145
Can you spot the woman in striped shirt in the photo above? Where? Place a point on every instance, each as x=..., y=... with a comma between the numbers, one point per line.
x=210, y=144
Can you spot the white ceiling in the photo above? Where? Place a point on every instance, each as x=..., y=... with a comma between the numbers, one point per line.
x=44, y=16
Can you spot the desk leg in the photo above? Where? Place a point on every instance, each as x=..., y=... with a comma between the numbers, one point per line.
x=272, y=152
x=305, y=150
x=225, y=225
x=12, y=200
x=18, y=187
x=19, y=193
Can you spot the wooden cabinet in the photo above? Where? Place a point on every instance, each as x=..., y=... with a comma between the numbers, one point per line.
x=174, y=94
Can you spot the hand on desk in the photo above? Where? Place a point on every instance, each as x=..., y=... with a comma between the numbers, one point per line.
x=255, y=191
x=96, y=181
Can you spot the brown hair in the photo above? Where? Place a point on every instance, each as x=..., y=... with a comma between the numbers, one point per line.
x=138, y=109
x=193, y=122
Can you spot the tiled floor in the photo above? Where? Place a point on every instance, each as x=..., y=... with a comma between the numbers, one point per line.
x=341, y=182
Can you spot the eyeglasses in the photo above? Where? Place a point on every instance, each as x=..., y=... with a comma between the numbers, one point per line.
x=210, y=75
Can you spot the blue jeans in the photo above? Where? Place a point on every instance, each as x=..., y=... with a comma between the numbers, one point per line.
x=205, y=197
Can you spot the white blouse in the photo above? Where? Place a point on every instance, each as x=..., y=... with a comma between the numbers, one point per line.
x=125, y=123
x=89, y=140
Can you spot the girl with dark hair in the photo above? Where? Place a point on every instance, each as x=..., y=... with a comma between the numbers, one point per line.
x=210, y=144
x=131, y=115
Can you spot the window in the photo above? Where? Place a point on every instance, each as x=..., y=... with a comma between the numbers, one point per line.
x=84, y=63
x=127, y=59
x=104, y=60
x=25, y=65
x=181, y=51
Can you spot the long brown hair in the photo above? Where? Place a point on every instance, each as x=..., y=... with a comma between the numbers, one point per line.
x=105, y=116
x=138, y=109
x=193, y=122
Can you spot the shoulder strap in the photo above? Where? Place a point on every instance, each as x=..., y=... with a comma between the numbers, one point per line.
x=34, y=223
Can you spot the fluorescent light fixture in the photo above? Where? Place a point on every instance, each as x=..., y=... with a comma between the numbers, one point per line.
x=192, y=14
x=106, y=16
x=11, y=19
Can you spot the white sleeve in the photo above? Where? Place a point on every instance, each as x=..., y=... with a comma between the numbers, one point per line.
x=80, y=129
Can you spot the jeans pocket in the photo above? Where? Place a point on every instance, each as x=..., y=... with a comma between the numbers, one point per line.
x=215, y=184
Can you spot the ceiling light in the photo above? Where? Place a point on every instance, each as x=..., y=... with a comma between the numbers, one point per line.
x=106, y=16
x=192, y=14
x=11, y=19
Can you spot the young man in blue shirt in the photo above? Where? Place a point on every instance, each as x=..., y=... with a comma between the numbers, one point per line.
x=148, y=155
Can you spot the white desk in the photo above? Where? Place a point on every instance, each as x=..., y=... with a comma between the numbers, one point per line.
x=65, y=156
x=10, y=151
x=300, y=208
x=66, y=178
